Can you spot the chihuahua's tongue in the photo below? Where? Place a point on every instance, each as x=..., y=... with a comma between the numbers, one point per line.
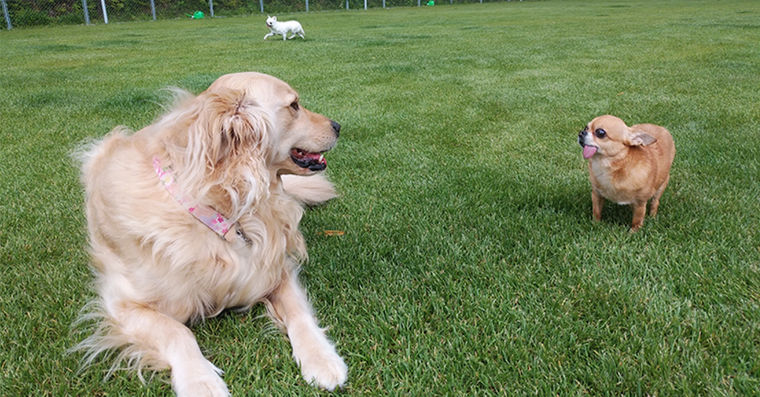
x=589, y=151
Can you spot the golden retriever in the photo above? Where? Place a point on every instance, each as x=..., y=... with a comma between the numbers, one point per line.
x=199, y=212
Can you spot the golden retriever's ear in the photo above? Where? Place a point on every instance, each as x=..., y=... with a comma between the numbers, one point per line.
x=228, y=141
x=229, y=127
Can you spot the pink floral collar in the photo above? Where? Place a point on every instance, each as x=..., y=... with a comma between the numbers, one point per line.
x=207, y=215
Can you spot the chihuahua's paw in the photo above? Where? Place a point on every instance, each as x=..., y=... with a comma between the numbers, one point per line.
x=325, y=369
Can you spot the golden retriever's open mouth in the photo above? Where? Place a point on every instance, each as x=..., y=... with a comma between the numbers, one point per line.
x=312, y=160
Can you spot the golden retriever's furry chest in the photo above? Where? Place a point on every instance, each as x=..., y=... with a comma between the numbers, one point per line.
x=263, y=248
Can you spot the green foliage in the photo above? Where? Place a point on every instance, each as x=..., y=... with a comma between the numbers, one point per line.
x=32, y=17
x=469, y=264
x=46, y=12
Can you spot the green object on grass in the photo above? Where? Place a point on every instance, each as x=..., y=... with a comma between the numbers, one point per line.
x=431, y=3
x=198, y=15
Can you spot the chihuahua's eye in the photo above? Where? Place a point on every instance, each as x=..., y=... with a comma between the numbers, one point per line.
x=294, y=106
x=600, y=133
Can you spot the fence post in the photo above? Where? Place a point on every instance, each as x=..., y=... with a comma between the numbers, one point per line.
x=365, y=5
x=307, y=5
x=346, y=4
x=153, y=9
x=261, y=6
x=105, y=14
x=211, y=7
x=7, y=17
x=86, y=12
x=383, y=3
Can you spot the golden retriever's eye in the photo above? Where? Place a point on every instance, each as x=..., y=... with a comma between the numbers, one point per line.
x=294, y=106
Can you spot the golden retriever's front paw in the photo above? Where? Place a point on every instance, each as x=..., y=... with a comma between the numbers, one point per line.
x=325, y=370
x=200, y=380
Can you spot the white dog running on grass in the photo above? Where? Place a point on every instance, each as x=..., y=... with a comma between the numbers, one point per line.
x=284, y=28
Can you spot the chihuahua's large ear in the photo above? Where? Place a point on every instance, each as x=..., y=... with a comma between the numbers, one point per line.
x=639, y=138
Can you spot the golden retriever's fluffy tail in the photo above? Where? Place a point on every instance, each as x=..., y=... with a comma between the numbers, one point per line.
x=106, y=343
x=309, y=190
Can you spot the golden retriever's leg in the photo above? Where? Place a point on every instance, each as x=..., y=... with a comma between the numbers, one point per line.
x=320, y=363
x=166, y=340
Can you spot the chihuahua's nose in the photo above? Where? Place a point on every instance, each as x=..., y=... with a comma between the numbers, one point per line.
x=335, y=127
x=582, y=137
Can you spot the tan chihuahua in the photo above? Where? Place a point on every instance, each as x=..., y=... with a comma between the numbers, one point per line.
x=627, y=165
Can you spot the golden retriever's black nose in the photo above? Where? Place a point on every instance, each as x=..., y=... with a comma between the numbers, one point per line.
x=335, y=127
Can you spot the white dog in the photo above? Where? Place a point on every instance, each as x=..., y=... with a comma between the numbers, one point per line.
x=283, y=28
x=194, y=214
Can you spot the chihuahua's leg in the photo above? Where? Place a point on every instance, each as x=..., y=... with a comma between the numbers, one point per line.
x=168, y=342
x=639, y=211
x=284, y=36
x=655, y=204
x=268, y=34
x=320, y=363
x=597, y=203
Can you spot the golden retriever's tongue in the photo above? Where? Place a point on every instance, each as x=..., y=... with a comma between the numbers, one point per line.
x=589, y=151
x=317, y=158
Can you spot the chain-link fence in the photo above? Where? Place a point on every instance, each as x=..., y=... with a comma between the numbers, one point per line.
x=19, y=13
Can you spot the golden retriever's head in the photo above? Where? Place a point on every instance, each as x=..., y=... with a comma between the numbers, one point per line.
x=298, y=138
x=234, y=139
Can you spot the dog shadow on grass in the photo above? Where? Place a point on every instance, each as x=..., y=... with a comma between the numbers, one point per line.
x=560, y=201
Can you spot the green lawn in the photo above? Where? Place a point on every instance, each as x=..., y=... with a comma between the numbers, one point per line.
x=470, y=264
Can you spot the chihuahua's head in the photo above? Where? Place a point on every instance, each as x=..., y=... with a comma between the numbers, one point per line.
x=608, y=136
